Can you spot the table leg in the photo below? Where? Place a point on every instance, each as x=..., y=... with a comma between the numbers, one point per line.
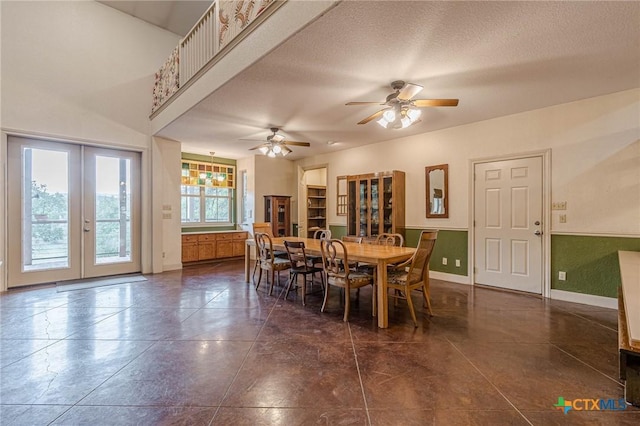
x=247, y=261
x=383, y=308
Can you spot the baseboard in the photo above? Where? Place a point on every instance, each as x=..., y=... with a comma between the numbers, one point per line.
x=585, y=299
x=444, y=276
x=171, y=267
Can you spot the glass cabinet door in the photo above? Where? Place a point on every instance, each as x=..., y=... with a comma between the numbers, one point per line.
x=363, y=213
x=351, y=212
x=388, y=204
x=375, y=207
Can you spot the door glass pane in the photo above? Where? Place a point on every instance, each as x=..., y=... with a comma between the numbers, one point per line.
x=45, y=214
x=375, y=207
x=113, y=210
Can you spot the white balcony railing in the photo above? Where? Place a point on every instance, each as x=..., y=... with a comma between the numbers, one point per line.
x=221, y=23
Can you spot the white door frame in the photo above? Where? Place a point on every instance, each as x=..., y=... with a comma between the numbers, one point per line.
x=546, y=213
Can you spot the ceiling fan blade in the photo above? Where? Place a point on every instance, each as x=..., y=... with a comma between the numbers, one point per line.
x=252, y=140
x=294, y=143
x=364, y=103
x=260, y=146
x=372, y=116
x=435, y=102
x=409, y=91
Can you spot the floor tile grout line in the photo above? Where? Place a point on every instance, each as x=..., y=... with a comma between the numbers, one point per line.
x=244, y=361
x=490, y=382
x=355, y=357
x=105, y=380
x=587, y=365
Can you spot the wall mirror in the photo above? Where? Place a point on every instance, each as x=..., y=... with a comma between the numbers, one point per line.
x=437, y=191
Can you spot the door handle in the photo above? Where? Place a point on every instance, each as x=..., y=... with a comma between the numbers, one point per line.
x=85, y=229
x=538, y=232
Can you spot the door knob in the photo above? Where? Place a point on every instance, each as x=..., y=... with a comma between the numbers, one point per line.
x=538, y=232
x=537, y=223
x=86, y=229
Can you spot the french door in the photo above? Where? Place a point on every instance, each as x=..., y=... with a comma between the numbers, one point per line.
x=73, y=212
x=508, y=224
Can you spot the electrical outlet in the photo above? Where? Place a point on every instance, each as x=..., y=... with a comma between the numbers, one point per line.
x=457, y=263
x=563, y=218
x=562, y=275
x=559, y=205
x=444, y=260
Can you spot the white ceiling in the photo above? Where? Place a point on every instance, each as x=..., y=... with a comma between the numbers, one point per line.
x=498, y=58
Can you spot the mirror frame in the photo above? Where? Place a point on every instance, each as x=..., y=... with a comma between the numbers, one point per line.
x=427, y=170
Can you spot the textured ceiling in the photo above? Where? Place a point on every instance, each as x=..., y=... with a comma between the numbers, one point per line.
x=498, y=58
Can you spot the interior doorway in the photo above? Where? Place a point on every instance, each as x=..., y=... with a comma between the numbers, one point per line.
x=73, y=211
x=313, y=206
x=508, y=223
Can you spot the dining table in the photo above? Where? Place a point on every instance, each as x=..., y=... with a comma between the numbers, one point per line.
x=379, y=255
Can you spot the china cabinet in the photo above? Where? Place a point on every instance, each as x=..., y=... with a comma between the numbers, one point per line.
x=277, y=212
x=376, y=203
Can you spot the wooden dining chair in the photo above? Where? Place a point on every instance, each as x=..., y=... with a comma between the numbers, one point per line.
x=265, y=228
x=404, y=281
x=267, y=260
x=300, y=265
x=319, y=234
x=387, y=239
x=334, y=253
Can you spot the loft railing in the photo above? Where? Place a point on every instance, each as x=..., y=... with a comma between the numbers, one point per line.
x=209, y=39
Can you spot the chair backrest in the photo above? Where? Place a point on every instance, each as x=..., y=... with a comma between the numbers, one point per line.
x=386, y=239
x=296, y=253
x=420, y=261
x=264, y=227
x=322, y=234
x=334, y=256
x=265, y=246
x=352, y=239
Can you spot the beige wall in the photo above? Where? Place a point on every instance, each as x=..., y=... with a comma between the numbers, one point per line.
x=595, y=158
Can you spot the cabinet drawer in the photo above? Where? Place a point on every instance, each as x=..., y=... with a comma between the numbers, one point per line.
x=224, y=237
x=189, y=238
x=206, y=237
x=240, y=236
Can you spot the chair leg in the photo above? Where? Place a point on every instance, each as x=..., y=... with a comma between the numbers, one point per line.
x=407, y=294
x=304, y=288
x=259, y=279
x=292, y=276
x=254, y=269
x=347, y=304
x=326, y=297
x=273, y=279
x=425, y=294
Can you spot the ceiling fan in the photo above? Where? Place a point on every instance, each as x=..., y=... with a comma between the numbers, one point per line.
x=276, y=144
x=402, y=111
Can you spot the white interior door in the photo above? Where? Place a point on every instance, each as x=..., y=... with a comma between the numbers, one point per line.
x=508, y=224
x=73, y=212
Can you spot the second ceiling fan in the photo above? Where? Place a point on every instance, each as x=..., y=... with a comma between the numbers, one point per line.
x=276, y=144
x=402, y=110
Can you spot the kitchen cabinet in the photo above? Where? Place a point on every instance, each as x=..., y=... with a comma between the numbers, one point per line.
x=212, y=245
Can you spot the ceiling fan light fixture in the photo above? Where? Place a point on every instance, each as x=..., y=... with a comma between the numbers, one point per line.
x=413, y=114
x=384, y=123
x=285, y=151
x=389, y=115
x=264, y=149
x=276, y=148
x=271, y=154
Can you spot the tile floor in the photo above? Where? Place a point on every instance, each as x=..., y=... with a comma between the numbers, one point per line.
x=201, y=347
